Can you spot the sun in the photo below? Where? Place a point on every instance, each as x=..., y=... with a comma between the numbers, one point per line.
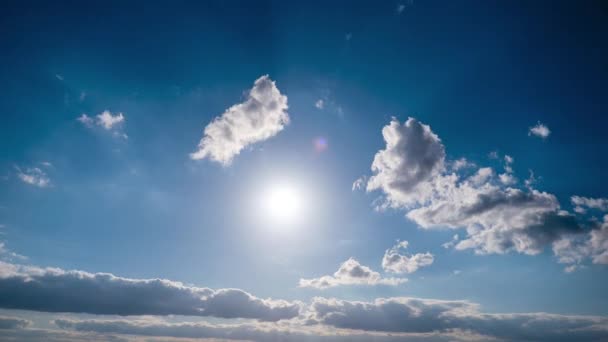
x=283, y=204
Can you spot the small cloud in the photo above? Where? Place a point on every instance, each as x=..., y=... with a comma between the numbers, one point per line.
x=395, y=262
x=457, y=272
x=33, y=176
x=540, y=130
x=107, y=120
x=59, y=77
x=360, y=183
x=82, y=96
x=348, y=36
x=351, y=272
x=452, y=242
x=320, y=104
x=400, y=8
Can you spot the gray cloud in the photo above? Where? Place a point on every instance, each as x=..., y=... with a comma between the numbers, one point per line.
x=424, y=315
x=13, y=322
x=56, y=290
x=261, y=116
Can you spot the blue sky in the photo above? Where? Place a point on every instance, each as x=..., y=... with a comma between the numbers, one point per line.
x=168, y=141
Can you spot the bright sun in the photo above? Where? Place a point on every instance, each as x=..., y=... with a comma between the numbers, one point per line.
x=283, y=204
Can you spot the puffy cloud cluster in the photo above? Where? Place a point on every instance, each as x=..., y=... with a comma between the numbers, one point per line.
x=261, y=116
x=498, y=217
x=574, y=249
x=56, y=290
x=401, y=314
x=396, y=262
x=351, y=272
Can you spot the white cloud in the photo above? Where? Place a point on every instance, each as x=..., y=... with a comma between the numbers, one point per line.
x=413, y=156
x=261, y=116
x=498, y=218
x=360, y=183
x=33, y=176
x=452, y=242
x=351, y=272
x=395, y=262
x=581, y=204
x=7, y=322
x=56, y=290
x=320, y=104
x=540, y=130
x=107, y=120
x=7, y=254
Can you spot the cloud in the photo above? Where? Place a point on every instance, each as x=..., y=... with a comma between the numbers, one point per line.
x=360, y=183
x=498, y=217
x=574, y=249
x=56, y=290
x=540, y=130
x=581, y=204
x=13, y=323
x=7, y=254
x=261, y=116
x=33, y=176
x=320, y=104
x=413, y=156
x=351, y=272
x=395, y=262
x=107, y=121
x=404, y=314
x=244, y=331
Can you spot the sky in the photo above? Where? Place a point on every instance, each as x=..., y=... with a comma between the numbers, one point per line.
x=304, y=171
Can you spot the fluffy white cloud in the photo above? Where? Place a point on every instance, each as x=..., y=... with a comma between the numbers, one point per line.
x=540, y=130
x=320, y=104
x=498, y=217
x=351, y=272
x=33, y=176
x=56, y=290
x=403, y=314
x=413, y=156
x=581, y=204
x=261, y=116
x=396, y=262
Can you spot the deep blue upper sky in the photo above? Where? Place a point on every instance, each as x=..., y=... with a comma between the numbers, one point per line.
x=479, y=73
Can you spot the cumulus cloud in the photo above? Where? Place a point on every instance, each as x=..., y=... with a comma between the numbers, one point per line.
x=498, y=217
x=540, y=130
x=404, y=314
x=582, y=204
x=351, y=272
x=261, y=116
x=33, y=176
x=413, y=156
x=396, y=261
x=57, y=290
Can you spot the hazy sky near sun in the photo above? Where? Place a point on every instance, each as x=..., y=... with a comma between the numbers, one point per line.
x=305, y=168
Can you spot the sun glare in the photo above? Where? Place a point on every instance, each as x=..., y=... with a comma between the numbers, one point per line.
x=283, y=204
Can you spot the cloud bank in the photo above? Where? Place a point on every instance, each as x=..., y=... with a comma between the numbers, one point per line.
x=261, y=116
x=56, y=290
